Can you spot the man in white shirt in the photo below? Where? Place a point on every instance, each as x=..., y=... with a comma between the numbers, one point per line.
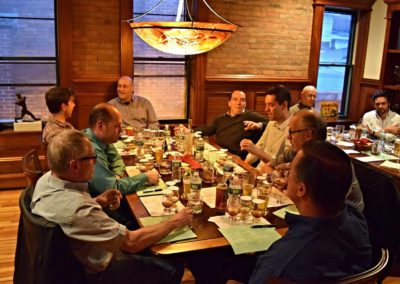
x=382, y=118
x=273, y=141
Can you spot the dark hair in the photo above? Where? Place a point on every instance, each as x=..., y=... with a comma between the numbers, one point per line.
x=281, y=93
x=326, y=171
x=379, y=93
x=99, y=112
x=57, y=96
x=313, y=121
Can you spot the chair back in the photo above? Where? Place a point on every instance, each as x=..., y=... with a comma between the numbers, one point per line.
x=371, y=275
x=43, y=254
x=31, y=167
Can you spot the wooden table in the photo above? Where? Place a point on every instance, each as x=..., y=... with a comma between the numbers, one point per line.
x=208, y=235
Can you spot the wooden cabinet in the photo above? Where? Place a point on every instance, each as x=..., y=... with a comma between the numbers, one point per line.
x=391, y=51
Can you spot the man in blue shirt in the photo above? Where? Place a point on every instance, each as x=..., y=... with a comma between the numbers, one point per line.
x=329, y=239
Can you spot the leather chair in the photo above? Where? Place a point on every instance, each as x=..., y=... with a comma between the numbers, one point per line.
x=31, y=167
x=43, y=253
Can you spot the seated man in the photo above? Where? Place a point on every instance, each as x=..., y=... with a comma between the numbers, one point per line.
x=109, y=172
x=382, y=118
x=307, y=99
x=234, y=125
x=60, y=102
x=136, y=111
x=329, y=239
x=273, y=141
x=308, y=125
x=108, y=251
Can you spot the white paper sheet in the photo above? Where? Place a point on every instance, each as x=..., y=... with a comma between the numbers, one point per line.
x=154, y=206
x=222, y=221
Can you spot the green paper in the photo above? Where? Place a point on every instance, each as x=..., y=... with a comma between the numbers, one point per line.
x=245, y=239
x=161, y=184
x=183, y=233
x=382, y=155
x=282, y=212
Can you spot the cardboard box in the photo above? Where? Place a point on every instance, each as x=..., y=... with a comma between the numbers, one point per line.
x=34, y=126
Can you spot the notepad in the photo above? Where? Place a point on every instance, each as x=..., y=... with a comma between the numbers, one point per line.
x=245, y=239
x=282, y=212
x=150, y=189
x=183, y=233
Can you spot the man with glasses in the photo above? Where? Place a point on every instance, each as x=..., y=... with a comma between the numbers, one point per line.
x=308, y=125
x=273, y=141
x=107, y=250
x=105, y=127
x=307, y=99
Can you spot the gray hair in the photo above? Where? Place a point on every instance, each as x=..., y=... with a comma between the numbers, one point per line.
x=67, y=146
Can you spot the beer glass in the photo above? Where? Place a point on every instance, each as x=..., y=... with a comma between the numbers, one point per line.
x=233, y=207
x=195, y=202
x=245, y=207
x=258, y=207
x=168, y=201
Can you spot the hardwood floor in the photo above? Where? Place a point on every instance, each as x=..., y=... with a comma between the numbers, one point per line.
x=9, y=216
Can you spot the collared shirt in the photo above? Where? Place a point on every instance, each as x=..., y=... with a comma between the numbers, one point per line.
x=138, y=113
x=299, y=106
x=229, y=130
x=109, y=164
x=376, y=123
x=317, y=249
x=53, y=127
x=273, y=141
x=94, y=237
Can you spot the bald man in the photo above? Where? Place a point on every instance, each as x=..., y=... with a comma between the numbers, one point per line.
x=307, y=99
x=136, y=111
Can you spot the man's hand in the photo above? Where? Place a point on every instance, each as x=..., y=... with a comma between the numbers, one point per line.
x=391, y=129
x=248, y=146
x=251, y=125
x=110, y=197
x=152, y=176
x=183, y=217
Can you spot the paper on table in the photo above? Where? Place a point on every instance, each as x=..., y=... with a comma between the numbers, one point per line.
x=282, y=212
x=391, y=165
x=151, y=188
x=368, y=159
x=183, y=233
x=209, y=195
x=278, y=198
x=154, y=206
x=345, y=144
x=245, y=239
x=350, y=151
x=383, y=156
x=222, y=221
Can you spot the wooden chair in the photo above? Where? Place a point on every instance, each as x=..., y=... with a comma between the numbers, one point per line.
x=43, y=254
x=31, y=167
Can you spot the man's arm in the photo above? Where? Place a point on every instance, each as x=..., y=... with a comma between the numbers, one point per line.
x=255, y=121
x=138, y=240
x=117, y=165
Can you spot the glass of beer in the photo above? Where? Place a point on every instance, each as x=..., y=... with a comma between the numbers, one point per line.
x=259, y=206
x=168, y=201
x=195, y=202
x=396, y=148
x=245, y=207
x=233, y=207
x=159, y=153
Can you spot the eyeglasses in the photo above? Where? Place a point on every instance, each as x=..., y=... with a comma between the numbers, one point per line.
x=88, y=158
x=291, y=132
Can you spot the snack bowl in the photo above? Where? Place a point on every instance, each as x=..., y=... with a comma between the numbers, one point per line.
x=363, y=144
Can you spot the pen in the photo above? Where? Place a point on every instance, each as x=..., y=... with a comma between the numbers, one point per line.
x=263, y=226
x=152, y=190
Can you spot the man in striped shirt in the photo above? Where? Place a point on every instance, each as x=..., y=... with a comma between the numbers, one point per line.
x=136, y=111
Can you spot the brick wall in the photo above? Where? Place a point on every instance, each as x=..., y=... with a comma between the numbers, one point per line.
x=275, y=39
x=95, y=38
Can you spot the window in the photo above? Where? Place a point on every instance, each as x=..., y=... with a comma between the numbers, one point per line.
x=335, y=62
x=28, y=63
x=159, y=76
